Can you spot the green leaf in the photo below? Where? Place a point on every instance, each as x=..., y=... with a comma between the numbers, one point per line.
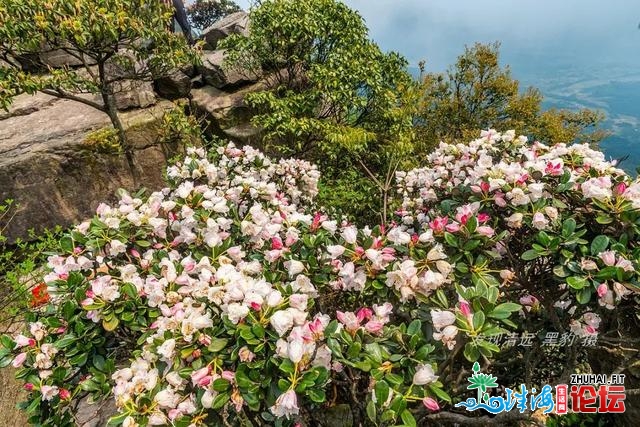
x=220, y=400
x=287, y=366
x=451, y=239
x=66, y=341
x=408, y=418
x=217, y=345
x=98, y=361
x=316, y=395
x=568, y=227
x=599, y=244
x=478, y=320
x=354, y=350
x=374, y=351
x=371, y=411
x=508, y=306
x=439, y=393
x=414, y=327
x=7, y=342
x=577, y=282
x=66, y=244
x=221, y=385
x=394, y=379
x=117, y=420
x=130, y=290
x=382, y=391
x=530, y=255
x=111, y=323
x=584, y=295
x=471, y=352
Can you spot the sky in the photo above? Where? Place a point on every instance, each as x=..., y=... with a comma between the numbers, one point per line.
x=578, y=32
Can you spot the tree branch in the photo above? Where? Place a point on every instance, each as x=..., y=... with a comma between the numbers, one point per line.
x=59, y=93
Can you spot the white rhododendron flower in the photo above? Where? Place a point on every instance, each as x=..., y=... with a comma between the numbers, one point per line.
x=424, y=375
x=286, y=405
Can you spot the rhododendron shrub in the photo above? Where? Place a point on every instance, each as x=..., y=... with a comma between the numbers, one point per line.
x=227, y=297
x=211, y=296
x=553, y=227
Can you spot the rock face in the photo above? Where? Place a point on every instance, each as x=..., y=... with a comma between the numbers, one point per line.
x=217, y=74
x=228, y=111
x=236, y=23
x=54, y=176
x=94, y=414
x=129, y=93
x=173, y=86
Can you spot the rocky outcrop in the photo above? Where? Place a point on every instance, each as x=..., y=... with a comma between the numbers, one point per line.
x=129, y=92
x=236, y=23
x=218, y=74
x=228, y=111
x=175, y=85
x=55, y=177
x=94, y=414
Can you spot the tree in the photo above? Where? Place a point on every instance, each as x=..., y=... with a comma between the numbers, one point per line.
x=331, y=95
x=113, y=41
x=203, y=13
x=477, y=93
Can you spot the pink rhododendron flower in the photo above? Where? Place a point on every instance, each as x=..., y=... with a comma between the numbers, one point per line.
x=602, y=290
x=18, y=361
x=430, y=404
x=286, y=405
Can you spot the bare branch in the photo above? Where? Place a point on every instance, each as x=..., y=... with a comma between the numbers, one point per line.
x=65, y=95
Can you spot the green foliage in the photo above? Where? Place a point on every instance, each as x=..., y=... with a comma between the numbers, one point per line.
x=329, y=86
x=477, y=93
x=331, y=95
x=204, y=13
x=103, y=140
x=114, y=40
x=179, y=127
x=20, y=263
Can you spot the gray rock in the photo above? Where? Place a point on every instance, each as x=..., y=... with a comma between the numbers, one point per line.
x=337, y=416
x=55, y=176
x=95, y=414
x=219, y=75
x=227, y=109
x=175, y=85
x=236, y=23
x=58, y=58
x=244, y=134
x=134, y=94
x=130, y=92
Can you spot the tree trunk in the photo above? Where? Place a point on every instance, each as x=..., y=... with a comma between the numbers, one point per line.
x=112, y=111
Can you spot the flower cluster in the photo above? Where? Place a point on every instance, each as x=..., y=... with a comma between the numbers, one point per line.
x=214, y=284
x=227, y=295
x=551, y=225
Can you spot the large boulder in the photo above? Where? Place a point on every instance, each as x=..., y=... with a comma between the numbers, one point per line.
x=53, y=173
x=228, y=113
x=130, y=92
x=219, y=75
x=236, y=23
x=94, y=414
x=59, y=58
x=174, y=85
x=228, y=109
